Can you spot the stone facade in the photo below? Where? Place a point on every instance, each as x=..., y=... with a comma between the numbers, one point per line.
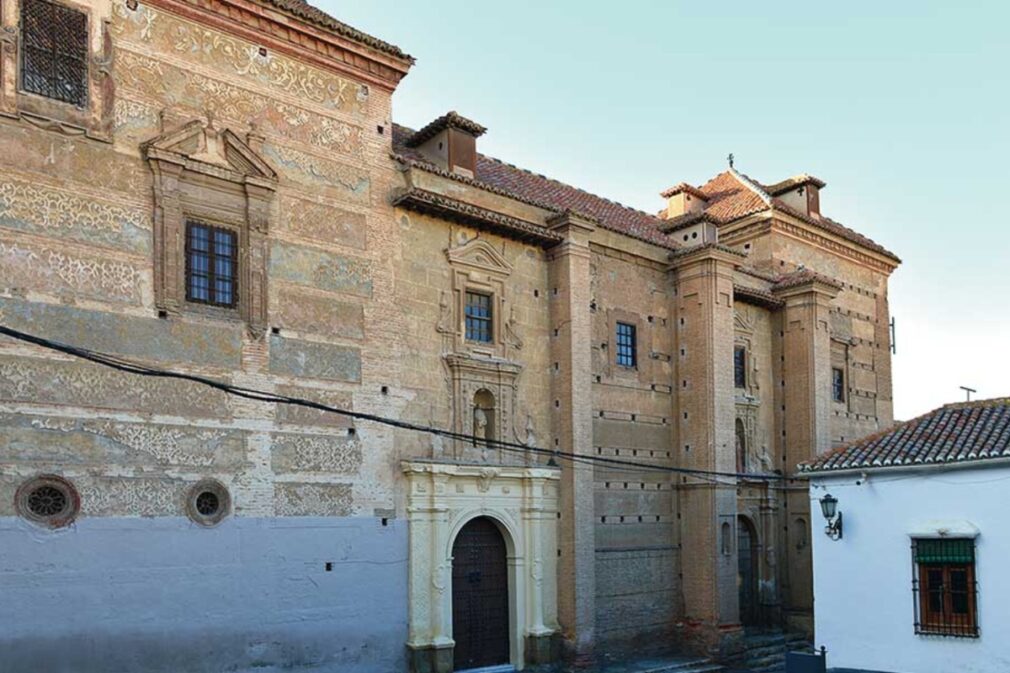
x=356, y=253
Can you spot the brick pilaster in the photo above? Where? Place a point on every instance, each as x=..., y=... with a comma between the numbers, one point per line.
x=705, y=329
x=572, y=430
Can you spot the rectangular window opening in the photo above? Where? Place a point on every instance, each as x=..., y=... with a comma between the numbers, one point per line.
x=740, y=367
x=211, y=265
x=627, y=348
x=479, y=317
x=944, y=587
x=837, y=384
x=54, y=59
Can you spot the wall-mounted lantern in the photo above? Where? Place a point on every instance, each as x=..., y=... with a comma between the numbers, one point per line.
x=829, y=507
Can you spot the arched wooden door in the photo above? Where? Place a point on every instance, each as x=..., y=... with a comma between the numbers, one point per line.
x=747, y=549
x=480, y=599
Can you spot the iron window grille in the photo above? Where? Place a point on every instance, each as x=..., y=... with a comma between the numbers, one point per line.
x=627, y=347
x=479, y=317
x=54, y=61
x=740, y=367
x=944, y=589
x=211, y=265
x=837, y=384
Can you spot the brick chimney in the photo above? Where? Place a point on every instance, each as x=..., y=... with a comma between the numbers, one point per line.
x=683, y=199
x=450, y=142
x=800, y=192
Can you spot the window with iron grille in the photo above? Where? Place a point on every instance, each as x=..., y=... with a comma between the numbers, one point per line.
x=479, y=317
x=944, y=588
x=211, y=265
x=627, y=348
x=54, y=61
x=837, y=384
x=740, y=367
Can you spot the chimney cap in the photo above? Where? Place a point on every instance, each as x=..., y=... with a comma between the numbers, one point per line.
x=451, y=119
x=794, y=182
x=683, y=187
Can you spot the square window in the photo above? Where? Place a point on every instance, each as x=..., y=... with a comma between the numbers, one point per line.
x=627, y=347
x=837, y=384
x=740, y=367
x=211, y=265
x=54, y=60
x=479, y=317
x=944, y=581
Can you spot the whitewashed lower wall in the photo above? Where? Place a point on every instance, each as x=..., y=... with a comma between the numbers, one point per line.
x=863, y=603
x=163, y=594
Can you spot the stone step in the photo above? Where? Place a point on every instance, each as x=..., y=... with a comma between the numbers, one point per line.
x=665, y=665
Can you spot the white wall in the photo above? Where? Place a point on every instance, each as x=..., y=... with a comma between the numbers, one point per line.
x=863, y=605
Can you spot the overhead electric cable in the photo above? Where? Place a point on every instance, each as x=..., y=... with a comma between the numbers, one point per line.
x=131, y=367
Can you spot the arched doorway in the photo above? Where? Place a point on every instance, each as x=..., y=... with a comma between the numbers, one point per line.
x=480, y=600
x=746, y=578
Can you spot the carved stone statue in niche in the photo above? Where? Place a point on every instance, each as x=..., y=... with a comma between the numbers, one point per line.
x=483, y=421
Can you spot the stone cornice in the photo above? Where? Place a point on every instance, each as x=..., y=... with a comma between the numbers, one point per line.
x=430, y=203
x=432, y=466
x=797, y=228
x=715, y=251
x=266, y=24
x=750, y=295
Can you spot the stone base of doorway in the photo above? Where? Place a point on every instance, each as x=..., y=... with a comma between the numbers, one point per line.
x=430, y=658
x=543, y=650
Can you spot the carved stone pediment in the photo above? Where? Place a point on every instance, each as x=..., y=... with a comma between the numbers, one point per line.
x=211, y=175
x=481, y=255
x=199, y=146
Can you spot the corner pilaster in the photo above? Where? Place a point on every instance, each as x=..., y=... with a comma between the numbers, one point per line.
x=805, y=395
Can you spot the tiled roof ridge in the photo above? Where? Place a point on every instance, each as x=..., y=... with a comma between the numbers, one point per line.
x=519, y=197
x=450, y=119
x=473, y=182
x=824, y=462
x=311, y=14
x=751, y=184
x=578, y=189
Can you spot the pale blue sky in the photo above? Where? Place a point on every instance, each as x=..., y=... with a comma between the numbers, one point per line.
x=901, y=107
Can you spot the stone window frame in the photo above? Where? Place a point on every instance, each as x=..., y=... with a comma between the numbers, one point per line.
x=477, y=266
x=213, y=176
x=193, y=496
x=60, y=520
x=95, y=118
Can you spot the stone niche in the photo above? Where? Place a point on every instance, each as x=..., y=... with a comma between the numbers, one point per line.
x=523, y=503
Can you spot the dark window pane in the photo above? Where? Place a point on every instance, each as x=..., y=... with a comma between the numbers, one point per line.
x=838, y=384
x=740, y=367
x=627, y=347
x=55, y=57
x=211, y=266
x=479, y=317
